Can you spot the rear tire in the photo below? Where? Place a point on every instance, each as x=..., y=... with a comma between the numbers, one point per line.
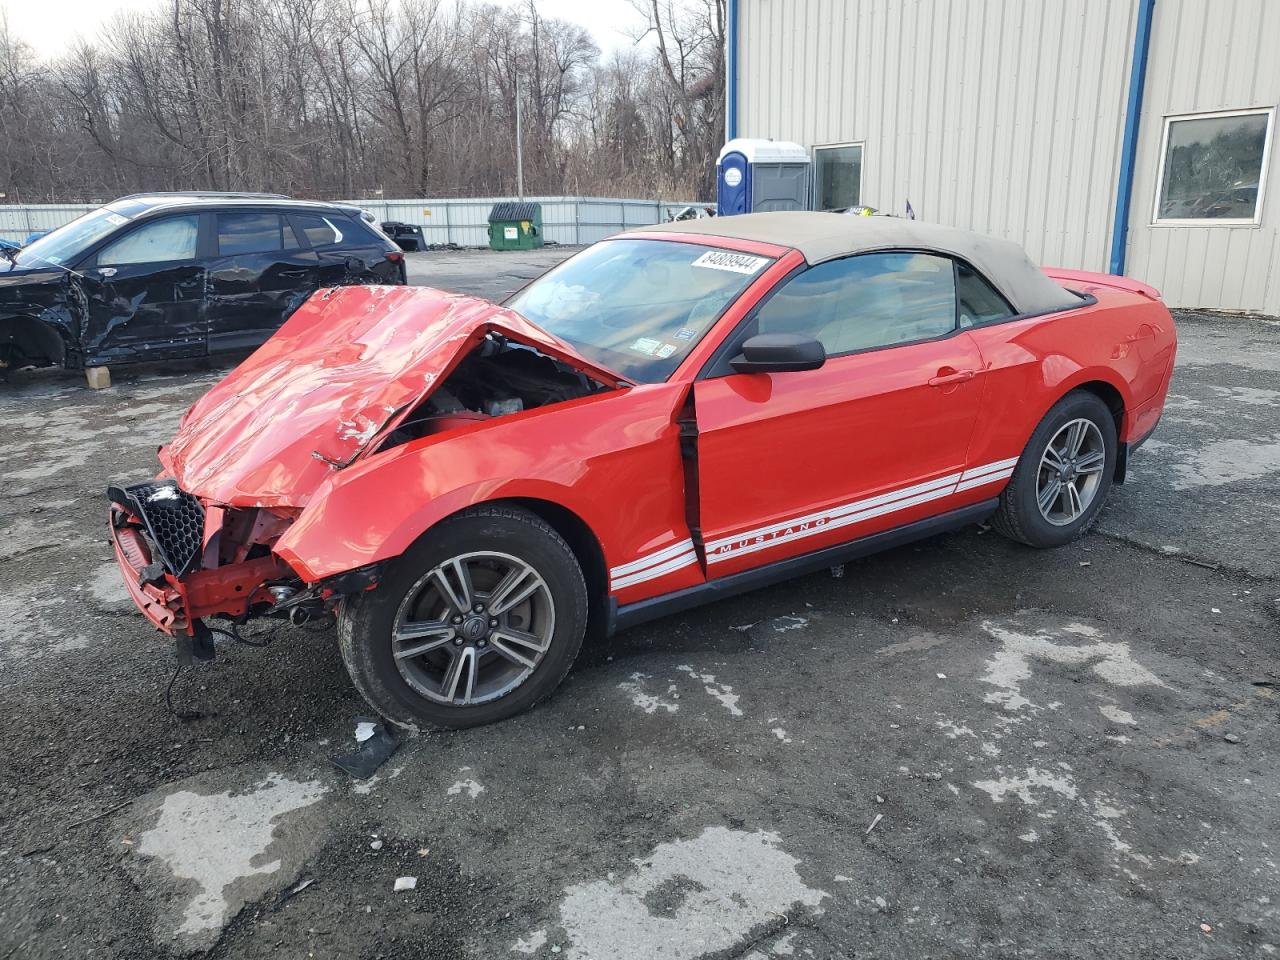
x=479, y=620
x=1063, y=476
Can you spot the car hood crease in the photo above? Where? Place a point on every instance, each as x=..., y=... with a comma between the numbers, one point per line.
x=345, y=368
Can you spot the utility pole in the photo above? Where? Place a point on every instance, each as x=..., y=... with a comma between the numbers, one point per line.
x=519, y=144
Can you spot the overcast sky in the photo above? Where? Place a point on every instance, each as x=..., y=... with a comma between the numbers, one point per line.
x=51, y=26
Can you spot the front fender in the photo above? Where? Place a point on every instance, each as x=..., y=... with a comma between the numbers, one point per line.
x=589, y=456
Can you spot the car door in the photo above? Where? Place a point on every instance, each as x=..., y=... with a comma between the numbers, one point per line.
x=259, y=275
x=144, y=293
x=789, y=463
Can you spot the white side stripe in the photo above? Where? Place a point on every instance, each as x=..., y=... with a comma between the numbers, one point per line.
x=821, y=525
x=661, y=570
x=682, y=554
x=666, y=553
x=1004, y=466
x=834, y=518
x=942, y=483
x=983, y=480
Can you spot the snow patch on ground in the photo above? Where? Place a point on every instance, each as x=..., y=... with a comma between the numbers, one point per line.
x=729, y=882
x=1116, y=715
x=1226, y=461
x=954, y=730
x=784, y=946
x=1011, y=665
x=365, y=787
x=218, y=839
x=106, y=586
x=648, y=702
x=1021, y=787
x=32, y=627
x=783, y=624
x=472, y=787
x=530, y=944
x=720, y=691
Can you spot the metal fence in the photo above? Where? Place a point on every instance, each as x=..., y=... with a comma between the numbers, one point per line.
x=568, y=220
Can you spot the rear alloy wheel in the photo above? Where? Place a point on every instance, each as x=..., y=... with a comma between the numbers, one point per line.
x=1063, y=476
x=1070, y=473
x=480, y=620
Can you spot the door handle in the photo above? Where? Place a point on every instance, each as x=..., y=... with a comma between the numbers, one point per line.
x=949, y=375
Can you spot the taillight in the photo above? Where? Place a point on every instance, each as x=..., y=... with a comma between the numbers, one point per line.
x=396, y=257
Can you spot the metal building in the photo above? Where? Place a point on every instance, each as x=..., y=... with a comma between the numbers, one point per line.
x=1126, y=136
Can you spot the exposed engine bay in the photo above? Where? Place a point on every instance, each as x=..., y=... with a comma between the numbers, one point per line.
x=499, y=377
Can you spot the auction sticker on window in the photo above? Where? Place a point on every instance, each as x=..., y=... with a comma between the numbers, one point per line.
x=733, y=262
x=646, y=346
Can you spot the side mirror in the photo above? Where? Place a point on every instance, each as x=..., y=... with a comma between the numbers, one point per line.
x=779, y=353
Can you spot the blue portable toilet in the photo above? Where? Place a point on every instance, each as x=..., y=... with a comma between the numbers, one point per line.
x=755, y=176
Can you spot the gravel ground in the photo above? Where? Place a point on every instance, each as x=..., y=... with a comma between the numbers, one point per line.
x=960, y=748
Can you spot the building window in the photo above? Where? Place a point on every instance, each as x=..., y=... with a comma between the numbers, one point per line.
x=1213, y=166
x=837, y=176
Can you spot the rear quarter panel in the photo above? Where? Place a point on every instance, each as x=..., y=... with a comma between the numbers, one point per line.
x=1125, y=339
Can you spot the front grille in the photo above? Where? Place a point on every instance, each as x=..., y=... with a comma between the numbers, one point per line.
x=174, y=520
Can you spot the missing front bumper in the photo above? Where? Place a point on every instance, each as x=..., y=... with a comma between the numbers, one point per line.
x=174, y=521
x=160, y=539
x=156, y=598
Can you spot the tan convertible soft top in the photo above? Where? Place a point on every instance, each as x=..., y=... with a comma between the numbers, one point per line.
x=826, y=236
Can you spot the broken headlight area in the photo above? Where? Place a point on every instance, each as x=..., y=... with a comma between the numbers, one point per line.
x=184, y=561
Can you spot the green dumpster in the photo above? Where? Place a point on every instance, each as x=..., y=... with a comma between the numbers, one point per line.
x=515, y=225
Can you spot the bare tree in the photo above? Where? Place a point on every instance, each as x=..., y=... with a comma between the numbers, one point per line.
x=351, y=98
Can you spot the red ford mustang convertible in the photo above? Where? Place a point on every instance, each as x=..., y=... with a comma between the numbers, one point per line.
x=674, y=415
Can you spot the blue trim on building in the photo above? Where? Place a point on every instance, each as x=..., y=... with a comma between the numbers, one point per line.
x=1129, y=144
x=731, y=73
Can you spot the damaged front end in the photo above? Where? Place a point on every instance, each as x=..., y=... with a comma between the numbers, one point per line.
x=184, y=562
x=354, y=373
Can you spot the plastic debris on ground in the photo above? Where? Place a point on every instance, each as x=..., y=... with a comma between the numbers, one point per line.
x=375, y=745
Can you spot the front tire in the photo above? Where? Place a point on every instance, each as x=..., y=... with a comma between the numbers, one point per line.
x=478, y=621
x=1063, y=476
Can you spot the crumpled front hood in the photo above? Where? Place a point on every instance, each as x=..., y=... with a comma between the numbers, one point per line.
x=345, y=368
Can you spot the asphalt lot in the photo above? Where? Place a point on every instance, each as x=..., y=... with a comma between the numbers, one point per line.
x=960, y=748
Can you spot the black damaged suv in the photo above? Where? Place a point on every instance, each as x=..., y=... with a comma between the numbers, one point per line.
x=169, y=276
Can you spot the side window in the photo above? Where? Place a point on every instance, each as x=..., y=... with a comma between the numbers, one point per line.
x=979, y=302
x=866, y=301
x=250, y=233
x=162, y=241
x=320, y=231
x=361, y=233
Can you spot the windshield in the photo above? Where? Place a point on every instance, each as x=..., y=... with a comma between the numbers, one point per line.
x=68, y=242
x=638, y=306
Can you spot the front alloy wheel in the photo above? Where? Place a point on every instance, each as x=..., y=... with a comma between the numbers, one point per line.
x=473, y=629
x=477, y=621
